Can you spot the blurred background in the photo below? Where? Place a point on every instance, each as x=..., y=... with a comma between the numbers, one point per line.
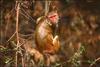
x=78, y=30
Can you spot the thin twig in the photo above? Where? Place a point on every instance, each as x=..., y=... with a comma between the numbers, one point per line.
x=11, y=36
x=8, y=20
x=22, y=57
x=27, y=14
x=47, y=4
x=17, y=36
x=94, y=62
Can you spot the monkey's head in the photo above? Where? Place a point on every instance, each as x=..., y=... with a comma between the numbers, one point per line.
x=53, y=17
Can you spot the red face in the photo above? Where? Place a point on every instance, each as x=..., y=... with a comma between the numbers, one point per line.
x=53, y=17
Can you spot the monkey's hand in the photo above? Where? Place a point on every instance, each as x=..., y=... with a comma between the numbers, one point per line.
x=56, y=43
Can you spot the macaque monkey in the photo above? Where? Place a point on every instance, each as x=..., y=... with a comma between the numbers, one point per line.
x=46, y=43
